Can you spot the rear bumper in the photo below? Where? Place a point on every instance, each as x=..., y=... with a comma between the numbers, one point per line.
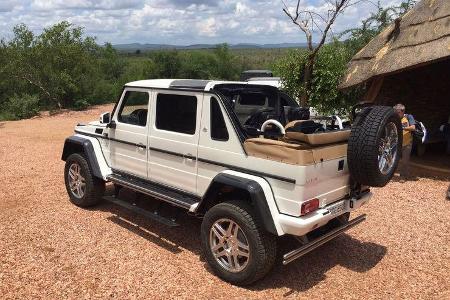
x=299, y=226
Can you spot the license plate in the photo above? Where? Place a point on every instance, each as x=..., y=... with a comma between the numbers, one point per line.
x=337, y=208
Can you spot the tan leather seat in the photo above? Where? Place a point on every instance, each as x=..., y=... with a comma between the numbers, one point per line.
x=293, y=153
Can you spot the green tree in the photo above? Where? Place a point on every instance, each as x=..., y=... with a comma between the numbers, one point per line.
x=111, y=63
x=309, y=21
x=331, y=62
x=290, y=69
x=357, y=38
x=198, y=65
x=226, y=67
x=167, y=63
x=59, y=64
x=329, y=68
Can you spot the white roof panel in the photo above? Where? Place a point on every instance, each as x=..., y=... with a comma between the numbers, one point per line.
x=178, y=83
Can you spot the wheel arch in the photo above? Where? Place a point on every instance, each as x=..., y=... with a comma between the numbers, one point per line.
x=77, y=144
x=226, y=186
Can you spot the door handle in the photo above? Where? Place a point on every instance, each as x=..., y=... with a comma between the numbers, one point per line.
x=189, y=157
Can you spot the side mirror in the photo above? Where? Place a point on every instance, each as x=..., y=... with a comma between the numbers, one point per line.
x=105, y=118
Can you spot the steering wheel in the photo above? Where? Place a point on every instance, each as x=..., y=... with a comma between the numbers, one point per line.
x=256, y=118
x=138, y=117
x=273, y=122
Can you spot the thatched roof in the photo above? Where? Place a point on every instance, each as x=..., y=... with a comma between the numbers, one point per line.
x=420, y=37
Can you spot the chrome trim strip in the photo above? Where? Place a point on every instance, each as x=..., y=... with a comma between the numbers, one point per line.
x=231, y=167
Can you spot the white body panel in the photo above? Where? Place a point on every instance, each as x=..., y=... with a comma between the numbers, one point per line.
x=228, y=152
x=102, y=163
x=176, y=171
x=129, y=158
x=301, y=226
x=322, y=180
x=269, y=197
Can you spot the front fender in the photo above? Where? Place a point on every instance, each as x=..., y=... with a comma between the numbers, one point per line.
x=91, y=149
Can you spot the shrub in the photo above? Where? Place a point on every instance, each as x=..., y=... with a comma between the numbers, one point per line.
x=21, y=107
x=290, y=69
x=80, y=104
x=105, y=92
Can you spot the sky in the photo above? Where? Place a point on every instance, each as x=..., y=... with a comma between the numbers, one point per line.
x=180, y=22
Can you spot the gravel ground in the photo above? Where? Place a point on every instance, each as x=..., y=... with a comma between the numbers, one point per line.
x=51, y=249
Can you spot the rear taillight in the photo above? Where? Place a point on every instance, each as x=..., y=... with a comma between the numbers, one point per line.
x=309, y=206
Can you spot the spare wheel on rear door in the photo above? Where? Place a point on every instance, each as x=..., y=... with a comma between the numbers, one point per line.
x=374, y=146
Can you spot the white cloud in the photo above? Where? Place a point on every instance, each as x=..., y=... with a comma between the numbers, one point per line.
x=85, y=4
x=243, y=10
x=207, y=27
x=173, y=21
x=8, y=5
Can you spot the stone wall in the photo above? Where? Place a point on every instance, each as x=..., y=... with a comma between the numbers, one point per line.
x=425, y=91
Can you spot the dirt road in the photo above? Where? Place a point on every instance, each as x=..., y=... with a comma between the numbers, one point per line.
x=51, y=249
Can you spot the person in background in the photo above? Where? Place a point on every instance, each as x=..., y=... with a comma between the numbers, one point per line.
x=409, y=125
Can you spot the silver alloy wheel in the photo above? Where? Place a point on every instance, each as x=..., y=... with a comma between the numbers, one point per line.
x=77, y=183
x=387, y=153
x=229, y=245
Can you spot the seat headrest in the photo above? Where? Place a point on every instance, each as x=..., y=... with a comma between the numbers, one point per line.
x=304, y=126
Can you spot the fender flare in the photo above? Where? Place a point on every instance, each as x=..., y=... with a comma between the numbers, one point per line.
x=261, y=196
x=78, y=144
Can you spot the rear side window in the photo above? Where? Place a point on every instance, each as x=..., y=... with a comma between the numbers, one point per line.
x=176, y=113
x=253, y=99
x=219, y=130
x=134, y=108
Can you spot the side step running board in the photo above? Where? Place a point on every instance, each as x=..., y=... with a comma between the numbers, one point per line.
x=297, y=253
x=141, y=211
x=151, y=189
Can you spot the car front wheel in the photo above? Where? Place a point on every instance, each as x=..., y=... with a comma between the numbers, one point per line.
x=83, y=188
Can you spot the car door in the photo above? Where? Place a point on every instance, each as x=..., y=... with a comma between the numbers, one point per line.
x=219, y=143
x=173, y=139
x=128, y=137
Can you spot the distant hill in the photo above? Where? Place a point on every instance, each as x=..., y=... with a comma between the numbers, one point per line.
x=149, y=47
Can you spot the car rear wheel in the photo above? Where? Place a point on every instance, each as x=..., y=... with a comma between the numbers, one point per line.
x=235, y=245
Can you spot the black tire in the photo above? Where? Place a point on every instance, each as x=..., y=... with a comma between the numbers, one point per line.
x=262, y=245
x=364, y=144
x=94, y=187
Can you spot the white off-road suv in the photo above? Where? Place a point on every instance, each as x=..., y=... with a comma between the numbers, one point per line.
x=244, y=158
